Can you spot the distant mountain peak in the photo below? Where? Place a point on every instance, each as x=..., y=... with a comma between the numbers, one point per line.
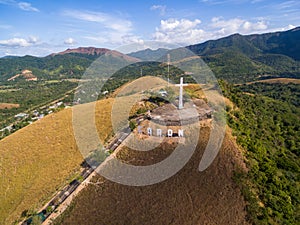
x=84, y=50
x=149, y=54
x=123, y=56
x=97, y=52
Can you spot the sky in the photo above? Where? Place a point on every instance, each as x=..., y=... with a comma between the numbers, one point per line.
x=42, y=27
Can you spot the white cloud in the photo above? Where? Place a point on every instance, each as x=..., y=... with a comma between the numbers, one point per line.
x=19, y=42
x=27, y=7
x=160, y=8
x=186, y=31
x=6, y=2
x=182, y=31
x=69, y=41
x=113, y=30
x=130, y=39
x=15, y=42
x=290, y=26
x=40, y=49
x=114, y=38
x=107, y=20
x=287, y=5
x=182, y=25
x=33, y=39
x=236, y=25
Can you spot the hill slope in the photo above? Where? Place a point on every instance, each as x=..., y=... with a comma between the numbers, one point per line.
x=70, y=63
x=239, y=58
x=265, y=119
x=149, y=54
x=243, y=58
x=189, y=197
x=39, y=159
x=84, y=51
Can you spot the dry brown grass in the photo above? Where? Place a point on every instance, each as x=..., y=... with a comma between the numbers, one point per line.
x=39, y=159
x=140, y=85
x=27, y=74
x=195, y=91
x=277, y=80
x=8, y=105
x=189, y=197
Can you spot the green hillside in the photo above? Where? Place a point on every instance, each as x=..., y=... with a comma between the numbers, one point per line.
x=239, y=58
x=265, y=121
x=50, y=67
x=149, y=54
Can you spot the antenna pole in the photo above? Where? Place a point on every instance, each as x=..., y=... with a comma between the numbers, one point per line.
x=168, y=69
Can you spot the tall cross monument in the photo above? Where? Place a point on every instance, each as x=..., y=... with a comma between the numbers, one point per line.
x=181, y=85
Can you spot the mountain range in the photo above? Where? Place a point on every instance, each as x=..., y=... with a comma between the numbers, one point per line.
x=239, y=58
x=236, y=58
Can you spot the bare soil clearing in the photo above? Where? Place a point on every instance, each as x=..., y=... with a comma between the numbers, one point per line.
x=8, y=105
x=277, y=80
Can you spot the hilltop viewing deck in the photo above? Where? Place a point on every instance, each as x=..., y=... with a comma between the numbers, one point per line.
x=169, y=115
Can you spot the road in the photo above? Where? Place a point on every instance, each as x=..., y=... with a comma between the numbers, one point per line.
x=69, y=196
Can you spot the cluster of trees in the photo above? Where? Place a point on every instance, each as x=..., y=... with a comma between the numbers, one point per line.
x=269, y=130
x=236, y=67
x=289, y=93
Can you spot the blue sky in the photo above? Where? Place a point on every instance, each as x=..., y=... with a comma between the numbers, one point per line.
x=46, y=26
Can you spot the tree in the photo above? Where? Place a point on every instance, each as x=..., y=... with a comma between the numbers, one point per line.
x=36, y=220
x=132, y=124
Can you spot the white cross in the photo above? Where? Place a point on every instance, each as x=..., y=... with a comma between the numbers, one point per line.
x=181, y=85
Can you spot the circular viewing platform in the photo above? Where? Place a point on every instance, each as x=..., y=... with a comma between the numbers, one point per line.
x=170, y=115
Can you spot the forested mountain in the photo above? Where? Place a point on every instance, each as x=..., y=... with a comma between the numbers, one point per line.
x=284, y=43
x=50, y=67
x=242, y=58
x=67, y=64
x=149, y=54
x=239, y=58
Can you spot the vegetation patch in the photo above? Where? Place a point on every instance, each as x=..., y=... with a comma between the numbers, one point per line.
x=268, y=128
